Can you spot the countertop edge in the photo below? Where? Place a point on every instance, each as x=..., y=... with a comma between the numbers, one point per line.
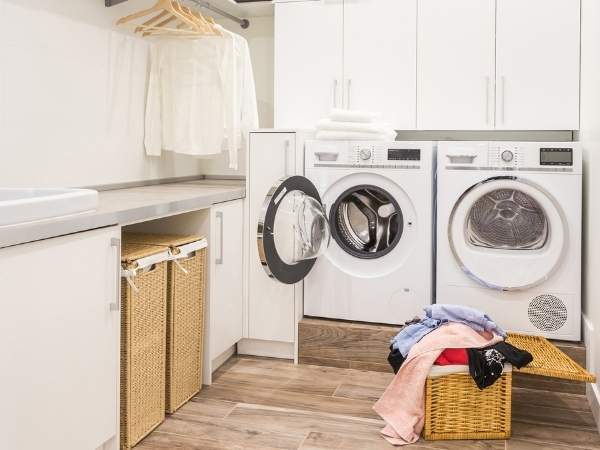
x=16, y=235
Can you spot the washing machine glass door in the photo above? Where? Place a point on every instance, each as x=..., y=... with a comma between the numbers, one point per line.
x=508, y=233
x=292, y=229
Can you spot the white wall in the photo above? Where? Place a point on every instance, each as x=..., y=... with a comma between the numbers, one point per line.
x=260, y=35
x=589, y=135
x=72, y=96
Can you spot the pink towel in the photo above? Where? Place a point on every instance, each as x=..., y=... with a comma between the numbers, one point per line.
x=402, y=405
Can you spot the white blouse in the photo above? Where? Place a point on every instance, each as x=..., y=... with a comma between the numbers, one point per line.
x=201, y=96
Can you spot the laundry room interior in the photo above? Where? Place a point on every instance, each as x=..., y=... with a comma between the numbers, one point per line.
x=299, y=224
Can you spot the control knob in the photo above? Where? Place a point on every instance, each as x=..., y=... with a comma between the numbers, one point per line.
x=365, y=153
x=507, y=156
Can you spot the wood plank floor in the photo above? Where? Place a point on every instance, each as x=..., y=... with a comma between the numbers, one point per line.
x=264, y=404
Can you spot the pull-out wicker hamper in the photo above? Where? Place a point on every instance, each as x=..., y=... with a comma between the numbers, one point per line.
x=455, y=408
x=185, y=313
x=143, y=333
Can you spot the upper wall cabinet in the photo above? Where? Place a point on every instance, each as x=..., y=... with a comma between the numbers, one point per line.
x=456, y=64
x=537, y=64
x=498, y=64
x=353, y=54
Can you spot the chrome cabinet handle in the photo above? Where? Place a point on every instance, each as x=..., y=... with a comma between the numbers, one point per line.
x=116, y=242
x=487, y=100
x=335, y=93
x=219, y=260
x=349, y=83
x=287, y=148
x=503, y=98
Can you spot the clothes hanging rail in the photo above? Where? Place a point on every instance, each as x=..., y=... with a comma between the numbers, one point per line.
x=244, y=23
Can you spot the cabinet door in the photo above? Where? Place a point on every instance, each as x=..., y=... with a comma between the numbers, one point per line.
x=226, y=277
x=270, y=304
x=537, y=70
x=308, y=62
x=456, y=64
x=380, y=45
x=60, y=342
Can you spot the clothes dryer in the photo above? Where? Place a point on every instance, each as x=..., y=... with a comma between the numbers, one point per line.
x=509, y=233
x=375, y=199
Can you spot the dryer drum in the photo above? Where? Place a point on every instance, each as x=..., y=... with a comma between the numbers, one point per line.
x=367, y=221
x=507, y=219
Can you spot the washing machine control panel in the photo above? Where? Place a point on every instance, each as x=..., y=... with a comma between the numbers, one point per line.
x=384, y=155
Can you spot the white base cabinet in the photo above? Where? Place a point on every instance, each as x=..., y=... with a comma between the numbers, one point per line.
x=59, y=357
x=273, y=309
x=224, y=310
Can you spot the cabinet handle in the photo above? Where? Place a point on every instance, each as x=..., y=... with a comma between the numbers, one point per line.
x=219, y=260
x=335, y=93
x=503, y=99
x=487, y=100
x=116, y=242
x=287, y=148
x=349, y=83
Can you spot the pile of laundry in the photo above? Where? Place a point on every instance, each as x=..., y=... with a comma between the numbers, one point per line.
x=448, y=335
x=348, y=125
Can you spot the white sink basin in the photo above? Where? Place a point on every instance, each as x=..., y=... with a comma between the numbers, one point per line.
x=29, y=205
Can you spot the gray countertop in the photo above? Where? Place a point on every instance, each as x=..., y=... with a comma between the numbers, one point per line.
x=125, y=206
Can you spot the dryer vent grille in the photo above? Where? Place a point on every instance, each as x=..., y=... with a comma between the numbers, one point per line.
x=547, y=312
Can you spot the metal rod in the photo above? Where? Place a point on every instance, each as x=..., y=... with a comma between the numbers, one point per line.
x=244, y=23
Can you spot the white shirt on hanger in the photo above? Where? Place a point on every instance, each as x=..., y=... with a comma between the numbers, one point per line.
x=192, y=89
x=246, y=112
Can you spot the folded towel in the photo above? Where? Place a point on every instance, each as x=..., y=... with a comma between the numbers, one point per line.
x=355, y=136
x=370, y=127
x=347, y=115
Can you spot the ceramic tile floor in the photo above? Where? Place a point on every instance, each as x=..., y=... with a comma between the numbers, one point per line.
x=261, y=404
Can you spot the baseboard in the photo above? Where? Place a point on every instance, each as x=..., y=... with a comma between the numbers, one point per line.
x=591, y=390
x=269, y=349
x=220, y=360
x=593, y=398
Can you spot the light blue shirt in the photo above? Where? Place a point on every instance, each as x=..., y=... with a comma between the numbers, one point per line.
x=463, y=314
x=438, y=315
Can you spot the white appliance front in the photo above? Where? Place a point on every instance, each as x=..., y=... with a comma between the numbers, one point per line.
x=377, y=197
x=509, y=233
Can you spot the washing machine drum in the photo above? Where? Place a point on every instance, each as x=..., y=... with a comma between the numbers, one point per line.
x=366, y=222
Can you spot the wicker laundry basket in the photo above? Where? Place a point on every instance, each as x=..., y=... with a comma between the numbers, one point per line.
x=455, y=408
x=185, y=313
x=143, y=334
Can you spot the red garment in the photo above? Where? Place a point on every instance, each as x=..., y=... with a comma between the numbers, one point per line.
x=453, y=357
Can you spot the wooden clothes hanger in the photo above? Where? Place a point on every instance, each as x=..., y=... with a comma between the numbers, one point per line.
x=170, y=11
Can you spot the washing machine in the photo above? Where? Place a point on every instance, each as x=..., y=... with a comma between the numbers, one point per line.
x=357, y=228
x=509, y=233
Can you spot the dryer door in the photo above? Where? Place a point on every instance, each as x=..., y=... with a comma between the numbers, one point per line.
x=508, y=233
x=292, y=229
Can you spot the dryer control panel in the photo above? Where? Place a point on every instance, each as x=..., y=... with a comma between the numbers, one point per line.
x=507, y=155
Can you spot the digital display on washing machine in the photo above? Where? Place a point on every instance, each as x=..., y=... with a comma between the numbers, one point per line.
x=556, y=156
x=402, y=154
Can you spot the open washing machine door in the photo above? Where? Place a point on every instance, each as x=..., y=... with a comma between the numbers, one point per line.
x=292, y=229
x=508, y=233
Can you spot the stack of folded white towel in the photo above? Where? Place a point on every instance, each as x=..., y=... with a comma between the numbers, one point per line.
x=347, y=125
